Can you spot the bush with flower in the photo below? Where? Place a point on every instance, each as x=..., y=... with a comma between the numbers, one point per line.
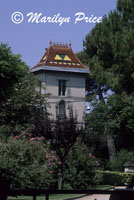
x=81, y=167
x=27, y=162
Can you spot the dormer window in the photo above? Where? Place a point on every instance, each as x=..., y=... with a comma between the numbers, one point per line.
x=62, y=87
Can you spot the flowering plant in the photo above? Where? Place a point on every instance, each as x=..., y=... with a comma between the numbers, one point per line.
x=27, y=162
x=80, y=166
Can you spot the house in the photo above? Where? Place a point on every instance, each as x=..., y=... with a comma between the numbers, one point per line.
x=63, y=76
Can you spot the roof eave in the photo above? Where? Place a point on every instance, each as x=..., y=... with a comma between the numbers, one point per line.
x=60, y=69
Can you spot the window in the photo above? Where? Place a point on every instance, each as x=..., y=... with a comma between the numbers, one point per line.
x=62, y=110
x=62, y=87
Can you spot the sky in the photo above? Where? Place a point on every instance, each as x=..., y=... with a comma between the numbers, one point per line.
x=30, y=39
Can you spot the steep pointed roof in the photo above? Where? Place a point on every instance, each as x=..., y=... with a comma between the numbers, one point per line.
x=59, y=56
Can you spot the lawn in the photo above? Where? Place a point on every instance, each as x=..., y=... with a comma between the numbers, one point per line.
x=51, y=197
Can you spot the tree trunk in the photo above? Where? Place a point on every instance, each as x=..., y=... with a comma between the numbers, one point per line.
x=110, y=142
x=60, y=181
x=99, y=92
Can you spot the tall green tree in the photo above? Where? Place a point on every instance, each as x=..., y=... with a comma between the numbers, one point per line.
x=12, y=69
x=109, y=47
x=20, y=95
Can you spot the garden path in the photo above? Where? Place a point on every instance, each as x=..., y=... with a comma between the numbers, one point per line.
x=96, y=197
x=99, y=196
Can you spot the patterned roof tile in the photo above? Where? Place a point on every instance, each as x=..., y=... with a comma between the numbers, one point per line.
x=60, y=55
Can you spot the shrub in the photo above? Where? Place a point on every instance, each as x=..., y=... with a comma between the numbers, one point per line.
x=116, y=178
x=27, y=163
x=80, y=167
x=122, y=157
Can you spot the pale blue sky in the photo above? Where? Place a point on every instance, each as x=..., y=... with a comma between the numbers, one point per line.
x=30, y=40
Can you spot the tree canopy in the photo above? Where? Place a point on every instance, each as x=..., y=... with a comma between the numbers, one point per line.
x=110, y=52
x=12, y=69
x=19, y=93
x=110, y=49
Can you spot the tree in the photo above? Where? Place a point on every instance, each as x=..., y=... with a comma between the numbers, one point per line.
x=12, y=69
x=121, y=114
x=20, y=96
x=109, y=47
x=94, y=91
x=62, y=134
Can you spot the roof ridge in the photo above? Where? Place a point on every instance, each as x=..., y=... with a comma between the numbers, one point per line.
x=62, y=45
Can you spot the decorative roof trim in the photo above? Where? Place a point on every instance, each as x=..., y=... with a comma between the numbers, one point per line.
x=62, y=69
x=60, y=55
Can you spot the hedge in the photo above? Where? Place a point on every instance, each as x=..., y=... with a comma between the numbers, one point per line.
x=116, y=178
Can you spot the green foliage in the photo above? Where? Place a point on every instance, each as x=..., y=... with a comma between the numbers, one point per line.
x=19, y=94
x=83, y=57
x=109, y=47
x=95, y=136
x=27, y=163
x=126, y=9
x=61, y=133
x=117, y=178
x=80, y=167
x=12, y=69
x=64, y=134
x=118, y=113
x=121, y=114
x=122, y=157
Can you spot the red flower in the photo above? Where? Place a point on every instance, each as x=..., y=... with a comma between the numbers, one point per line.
x=16, y=137
x=32, y=139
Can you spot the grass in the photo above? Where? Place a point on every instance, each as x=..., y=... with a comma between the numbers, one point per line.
x=101, y=187
x=59, y=196
x=51, y=197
